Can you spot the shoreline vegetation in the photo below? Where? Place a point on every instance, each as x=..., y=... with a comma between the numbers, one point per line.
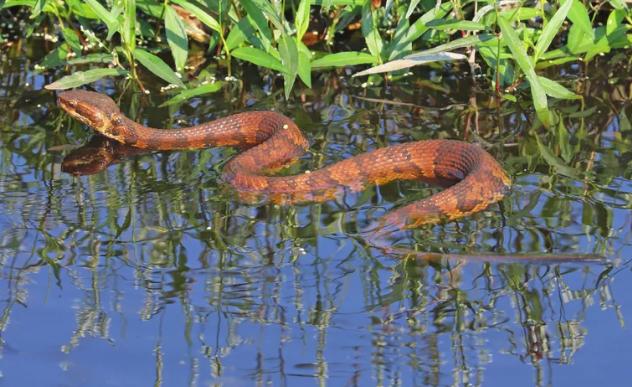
x=191, y=46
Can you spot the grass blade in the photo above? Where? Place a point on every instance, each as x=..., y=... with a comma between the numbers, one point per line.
x=342, y=59
x=556, y=90
x=199, y=13
x=453, y=24
x=196, y=91
x=157, y=66
x=551, y=29
x=411, y=8
x=71, y=37
x=128, y=32
x=105, y=16
x=256, y=15
x=258, y=57
x=370, y=31
x=91, y=58
x=304, y=64
x=419, y=27
x=453, y=45
x=176, y=37
x=301, y=19
x=82, y=77
x=289, y=58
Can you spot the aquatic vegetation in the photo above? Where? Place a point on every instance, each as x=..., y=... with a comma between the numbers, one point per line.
x=190, y=44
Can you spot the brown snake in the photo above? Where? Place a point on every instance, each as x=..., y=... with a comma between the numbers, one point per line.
x=273, y=140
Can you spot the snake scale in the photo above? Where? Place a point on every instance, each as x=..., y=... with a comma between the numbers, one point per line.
x=271, y=140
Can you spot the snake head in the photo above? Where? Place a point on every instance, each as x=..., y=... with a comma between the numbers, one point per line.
x=93, y=109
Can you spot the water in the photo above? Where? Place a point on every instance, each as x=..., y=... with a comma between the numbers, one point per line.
x=151, y=272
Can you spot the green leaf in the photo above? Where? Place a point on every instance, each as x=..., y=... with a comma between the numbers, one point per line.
x=419, y=27
x=578, y=15
x=551, y=29
x=370, y=31
x=544, y=63
x=70, y=36
x=155, y=9
x=411, y=8
x=81, y=9
x=619, y=4
x=304, y=64
x=301, y=19
x=56, y=57
x=37, y=8
x=196, y=91
x=455, y=44
x=343, y=59
x=237, y=34
x=157, y=66
x=439, y=53
x=453, y=24
x=614, y=21
x=289, y=58
x=577, y=41
x=602, y=45
x=258, y=18
x=258, y=57
x=520, y=56
x=522, y=13
x=91, y=58
x=18, y=3
x=83, y=77
x=176, y=37
x=270, y=12
x=129, y=25
x=204, y=17
x=410, y=61
x=105, y=16
x=399, y=44
x=556, y=90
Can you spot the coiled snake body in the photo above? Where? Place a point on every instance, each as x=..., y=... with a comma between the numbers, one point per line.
x=272, y=140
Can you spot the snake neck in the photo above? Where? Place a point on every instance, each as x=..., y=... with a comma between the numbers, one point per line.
x=241, y=130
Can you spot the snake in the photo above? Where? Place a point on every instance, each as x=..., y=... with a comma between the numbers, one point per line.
x=270, y=141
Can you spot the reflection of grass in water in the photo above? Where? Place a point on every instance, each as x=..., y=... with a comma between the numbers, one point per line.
x=164, y=219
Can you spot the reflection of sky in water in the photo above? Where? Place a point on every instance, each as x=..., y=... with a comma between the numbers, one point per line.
x=191, y=286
